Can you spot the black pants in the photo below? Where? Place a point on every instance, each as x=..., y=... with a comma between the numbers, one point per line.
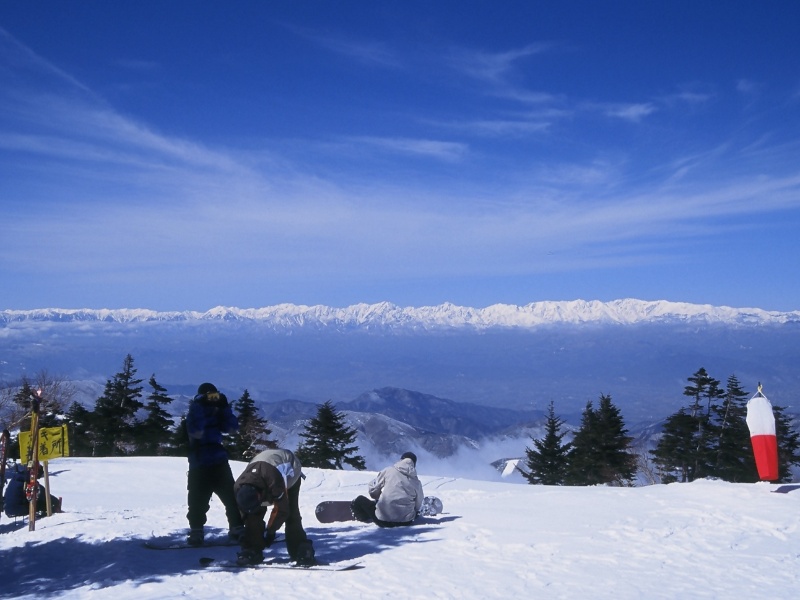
x=254, y=525
x=364, y=510
x=205, y=481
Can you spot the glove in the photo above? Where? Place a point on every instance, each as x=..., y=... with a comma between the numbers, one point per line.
x=223, y=399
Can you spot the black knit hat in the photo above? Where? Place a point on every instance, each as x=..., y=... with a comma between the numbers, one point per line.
x=410, y=455
x=247, y=499
x=206, y=388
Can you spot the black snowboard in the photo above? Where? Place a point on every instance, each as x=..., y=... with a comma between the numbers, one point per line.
x=332, y=511
x=229, y=565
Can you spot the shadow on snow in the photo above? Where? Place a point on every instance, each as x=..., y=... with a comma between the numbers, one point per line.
x=50, y=568
x=354, y=541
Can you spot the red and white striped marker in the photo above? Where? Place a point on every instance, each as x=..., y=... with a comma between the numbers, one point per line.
x=761, y=423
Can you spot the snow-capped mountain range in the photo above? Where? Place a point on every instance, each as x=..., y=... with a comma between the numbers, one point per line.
x=502, y=356
x=390, y=316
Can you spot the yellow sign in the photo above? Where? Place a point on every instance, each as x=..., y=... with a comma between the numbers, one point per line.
x=53, y=443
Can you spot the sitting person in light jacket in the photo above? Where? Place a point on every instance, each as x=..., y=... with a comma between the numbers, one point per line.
x=396, y=494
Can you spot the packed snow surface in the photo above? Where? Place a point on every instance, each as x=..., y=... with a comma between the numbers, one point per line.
x=707, y=539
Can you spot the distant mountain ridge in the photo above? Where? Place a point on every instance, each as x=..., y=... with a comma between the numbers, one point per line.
x=392, y=420
x=502, y=356
x=388, y=316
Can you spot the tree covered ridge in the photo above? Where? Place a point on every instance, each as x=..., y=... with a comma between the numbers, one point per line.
x=125, y=422
x=707, y=438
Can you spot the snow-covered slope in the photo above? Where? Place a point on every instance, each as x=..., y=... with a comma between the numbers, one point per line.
x=707, y=539
x=389, y=316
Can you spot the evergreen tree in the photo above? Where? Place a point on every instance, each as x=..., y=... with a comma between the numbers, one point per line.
x=154, y=433
x=673, y=455
x=617, y=460
x=582, y=469
x=22, y=399
x=601, y=449
x=178, y=444
x=734, y=456
x=686, y=450
x=788, y=444
x=115, y=412
x=253, y=434
x=547, y=461
x=54, y=393
x=704, y=392
x=79, y=428
x=328, y=441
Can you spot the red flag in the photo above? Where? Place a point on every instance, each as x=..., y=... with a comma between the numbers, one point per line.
x=761, y=422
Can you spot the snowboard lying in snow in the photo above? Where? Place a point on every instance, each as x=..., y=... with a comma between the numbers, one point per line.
x=785, y=489
x=278, y=563
x=333, y=511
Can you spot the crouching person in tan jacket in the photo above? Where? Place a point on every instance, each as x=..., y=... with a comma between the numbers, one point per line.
x=272, y=479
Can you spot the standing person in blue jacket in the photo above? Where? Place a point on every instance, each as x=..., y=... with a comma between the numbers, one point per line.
x=209, y=417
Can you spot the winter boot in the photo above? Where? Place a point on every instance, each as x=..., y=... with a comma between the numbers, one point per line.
x=363, y=509
x=304, y=555
x=196, y=536
x=247, y=558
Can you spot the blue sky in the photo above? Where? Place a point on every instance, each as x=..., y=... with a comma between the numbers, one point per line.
x=183, y=155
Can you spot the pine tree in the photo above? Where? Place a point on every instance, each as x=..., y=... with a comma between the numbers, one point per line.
x=674, y=453
x=154, y=433
x=178, y=444
x=617, y=460
x=547, y=462
x=734, y=456
x=788, y=444
x=704, y=388
x=328, y=441
x=55, y=394
x=253, y=434
x=115, y=412
x=582, y=469
x=601, y=449
x=79, y=427
x=23, y=401
x=704, y=391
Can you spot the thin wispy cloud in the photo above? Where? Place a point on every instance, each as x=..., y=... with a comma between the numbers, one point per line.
x=494, y=67
x=747, y=86
x=86, y=128
x=471, y=163
x=515, y=229
x=19, y=56
x=630, y=112
x=440, y=150
x=365, y=52
x=503, y=127
x=687, y=97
